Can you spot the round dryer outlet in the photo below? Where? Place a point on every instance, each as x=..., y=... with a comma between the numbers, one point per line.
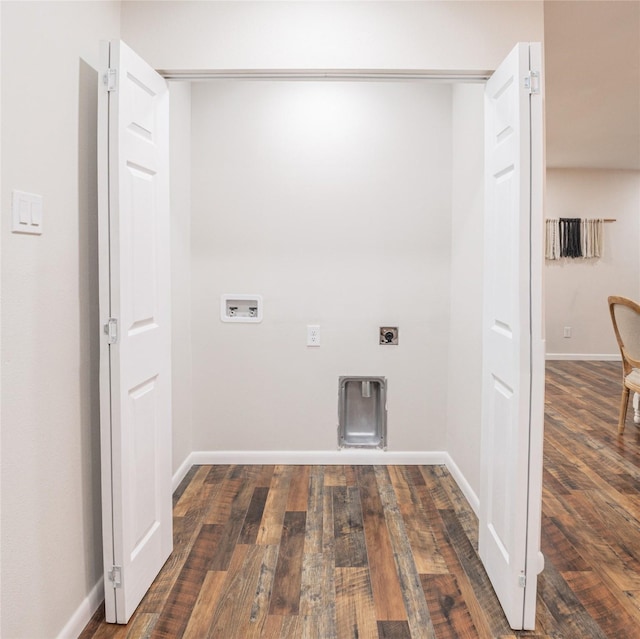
x=389, y=335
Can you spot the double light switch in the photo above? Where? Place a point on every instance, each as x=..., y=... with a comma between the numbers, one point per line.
x=27, y=213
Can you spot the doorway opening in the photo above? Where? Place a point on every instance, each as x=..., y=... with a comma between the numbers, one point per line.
x=338, y=215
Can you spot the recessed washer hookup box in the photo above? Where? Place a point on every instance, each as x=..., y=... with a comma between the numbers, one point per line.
x=240, y=307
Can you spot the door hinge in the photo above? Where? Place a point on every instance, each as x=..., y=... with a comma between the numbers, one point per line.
x=522, y=581
x=111, y=330
x=532, y=82
x=110, y=79
x=115, y=576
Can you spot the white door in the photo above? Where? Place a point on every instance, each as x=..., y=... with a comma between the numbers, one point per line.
x=135, y=364
x=513, y=347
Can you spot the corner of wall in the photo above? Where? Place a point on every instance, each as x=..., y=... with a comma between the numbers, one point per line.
x=465, y=350
x=180, y=153
x=77, y=622
x=464, y=485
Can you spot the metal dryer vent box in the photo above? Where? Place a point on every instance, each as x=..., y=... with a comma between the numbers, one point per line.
x=362, y=412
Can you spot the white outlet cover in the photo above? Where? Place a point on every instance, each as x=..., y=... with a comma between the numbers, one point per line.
x=313, y=335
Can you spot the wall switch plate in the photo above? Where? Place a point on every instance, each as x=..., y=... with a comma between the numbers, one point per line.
x=313, y=335
x=388, y=335
x=567, y=331
x=26, y=210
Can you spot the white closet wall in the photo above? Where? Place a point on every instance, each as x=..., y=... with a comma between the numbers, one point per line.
x=181, y=362
x=333, y=201
x=467, y=230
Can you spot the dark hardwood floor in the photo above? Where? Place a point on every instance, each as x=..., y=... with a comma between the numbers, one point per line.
x=389, y=552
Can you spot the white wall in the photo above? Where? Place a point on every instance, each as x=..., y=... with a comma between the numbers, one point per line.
x=333, y=201
x=465, y=351
x=577, y=290
x=180, y=144
x=361, y=35
x=50, y=476
x=592, y=84
x=51, y=551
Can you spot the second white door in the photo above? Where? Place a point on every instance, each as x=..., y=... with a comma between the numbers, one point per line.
x=135, y=312
x=513, y=348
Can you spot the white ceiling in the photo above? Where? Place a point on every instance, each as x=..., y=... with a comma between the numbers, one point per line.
x=592, y=62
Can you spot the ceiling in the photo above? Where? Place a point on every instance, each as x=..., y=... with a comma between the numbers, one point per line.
x=592, y=84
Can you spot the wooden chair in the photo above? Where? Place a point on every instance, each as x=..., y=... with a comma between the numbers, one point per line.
x=625, y=315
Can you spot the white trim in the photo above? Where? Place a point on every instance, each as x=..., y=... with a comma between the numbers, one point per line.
x=463, y=484
x=81, y=617
x=327, y=457
x=182, y=471
x=594, y=357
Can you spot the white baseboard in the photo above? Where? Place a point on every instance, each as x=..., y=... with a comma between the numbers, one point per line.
x=84, y=612
x=327, y=457
x=180, y=474
x=595, y=357
x=463, y=484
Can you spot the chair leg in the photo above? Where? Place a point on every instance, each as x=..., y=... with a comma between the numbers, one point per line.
x=623, y=409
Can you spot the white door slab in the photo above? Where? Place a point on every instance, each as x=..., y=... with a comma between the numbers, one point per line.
x=135, y=362
x=513, y=347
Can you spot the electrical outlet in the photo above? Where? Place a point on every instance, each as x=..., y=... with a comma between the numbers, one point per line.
x=567, y=331
x=313, y=335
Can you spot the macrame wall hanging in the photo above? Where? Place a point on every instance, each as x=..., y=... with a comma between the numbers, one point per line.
x=574, y=237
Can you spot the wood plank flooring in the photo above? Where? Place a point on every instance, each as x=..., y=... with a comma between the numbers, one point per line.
x=389, y=552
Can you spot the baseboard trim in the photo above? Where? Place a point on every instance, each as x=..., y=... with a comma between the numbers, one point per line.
x=595, y=357
x=463, y=484
x=326, y=457
x=81, y=617
x=180, y=474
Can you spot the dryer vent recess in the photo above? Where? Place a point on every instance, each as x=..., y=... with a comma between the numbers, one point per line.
x=362, y=410
x=388, y=335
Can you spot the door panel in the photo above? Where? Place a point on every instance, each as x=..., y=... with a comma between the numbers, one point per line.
x=135, y=290
x=510, y=493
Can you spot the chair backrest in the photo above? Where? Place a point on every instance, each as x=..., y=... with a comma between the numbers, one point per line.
x=625, y=315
